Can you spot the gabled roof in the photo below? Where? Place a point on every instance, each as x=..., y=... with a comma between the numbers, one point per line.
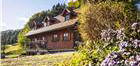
x=64, y=11
x=60, y=18
x=52, y=27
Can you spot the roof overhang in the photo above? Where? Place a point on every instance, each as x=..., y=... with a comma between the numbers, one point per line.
x=52, y=27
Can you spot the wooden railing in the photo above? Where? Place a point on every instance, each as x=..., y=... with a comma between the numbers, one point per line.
x=37, y=45
x=38, y=41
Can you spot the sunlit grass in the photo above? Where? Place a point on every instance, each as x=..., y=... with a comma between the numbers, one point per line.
x=12, y=48
x=37, y=60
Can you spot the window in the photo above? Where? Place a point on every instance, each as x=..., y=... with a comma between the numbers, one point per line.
x=67, y=17
x=65, y=37
x=35, y=39
x=45, y=24
x=43, y=38
x=48, y=23
x=55, y=37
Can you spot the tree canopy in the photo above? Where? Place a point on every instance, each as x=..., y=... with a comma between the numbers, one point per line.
x=9, y=37
x=94, y=18
x=56, y=10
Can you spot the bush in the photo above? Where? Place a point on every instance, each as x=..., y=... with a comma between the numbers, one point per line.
x=129, y=52
x=22, y=39
x=76, y=60
x=94, y=18
x=101, y=27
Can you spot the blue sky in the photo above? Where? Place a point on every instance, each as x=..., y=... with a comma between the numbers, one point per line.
x=15, y=13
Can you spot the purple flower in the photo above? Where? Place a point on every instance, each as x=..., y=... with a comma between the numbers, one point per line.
x=136, y=43
x=126, y=62
x=105, y=62
x=134, y=63
x=123, y=57
x=126, y=53
x=138, y=57
x=111, y=63
x=123, y=45
x=120, y=34
x=134, y=25
x=108, y=35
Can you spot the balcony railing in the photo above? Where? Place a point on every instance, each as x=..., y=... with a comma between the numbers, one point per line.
x=37, y=45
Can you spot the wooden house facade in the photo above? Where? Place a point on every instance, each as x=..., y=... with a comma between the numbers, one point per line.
x=54, y=33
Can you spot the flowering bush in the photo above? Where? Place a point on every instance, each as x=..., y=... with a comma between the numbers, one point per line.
x=129, y=44
x=111, y=36
x=93, y=19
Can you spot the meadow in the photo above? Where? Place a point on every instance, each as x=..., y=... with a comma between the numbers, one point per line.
x=37, y=60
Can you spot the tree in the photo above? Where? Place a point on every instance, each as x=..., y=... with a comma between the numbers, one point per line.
x=9, y=37
x=22, y=39
x=39, y=17
x=97, y=17
x=75, y=4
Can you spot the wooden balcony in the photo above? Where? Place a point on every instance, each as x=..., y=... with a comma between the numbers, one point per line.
x=37, y=45
x=40, y=47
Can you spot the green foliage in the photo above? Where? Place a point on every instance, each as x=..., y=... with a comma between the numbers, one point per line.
x=56, y=10
x=9, y=37
x=15, y=49
x=94, y=18
x=22, y=39
x=38, y=17
x=98, y=1
x=76, y=60
x=75, y=4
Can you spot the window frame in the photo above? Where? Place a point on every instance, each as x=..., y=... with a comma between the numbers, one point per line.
x=66, y=36
x=67, y=17
x=55, y=37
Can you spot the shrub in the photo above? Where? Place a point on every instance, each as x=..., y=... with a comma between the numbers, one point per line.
x=22, y=39
x=94, y=18
x=129, y=52
x=101, y=27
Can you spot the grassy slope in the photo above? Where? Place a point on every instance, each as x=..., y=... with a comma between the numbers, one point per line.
x=37, y=60
x=13, y=50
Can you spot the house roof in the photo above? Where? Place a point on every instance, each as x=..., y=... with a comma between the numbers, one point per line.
x=60, y=18
x=65, y=10
x=52, y=27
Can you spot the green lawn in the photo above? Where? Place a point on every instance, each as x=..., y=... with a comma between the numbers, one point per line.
x=37, y=60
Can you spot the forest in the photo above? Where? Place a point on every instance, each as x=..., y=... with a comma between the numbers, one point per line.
x=9, y=37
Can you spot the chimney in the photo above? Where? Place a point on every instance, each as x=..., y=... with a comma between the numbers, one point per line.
x=48, y=22
x=35, y=27
x=44, y=21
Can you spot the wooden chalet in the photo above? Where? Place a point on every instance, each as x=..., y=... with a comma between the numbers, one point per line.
x=57, y=33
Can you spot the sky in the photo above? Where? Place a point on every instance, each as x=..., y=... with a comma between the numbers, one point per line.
x=15, y=13
x=138, y=4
